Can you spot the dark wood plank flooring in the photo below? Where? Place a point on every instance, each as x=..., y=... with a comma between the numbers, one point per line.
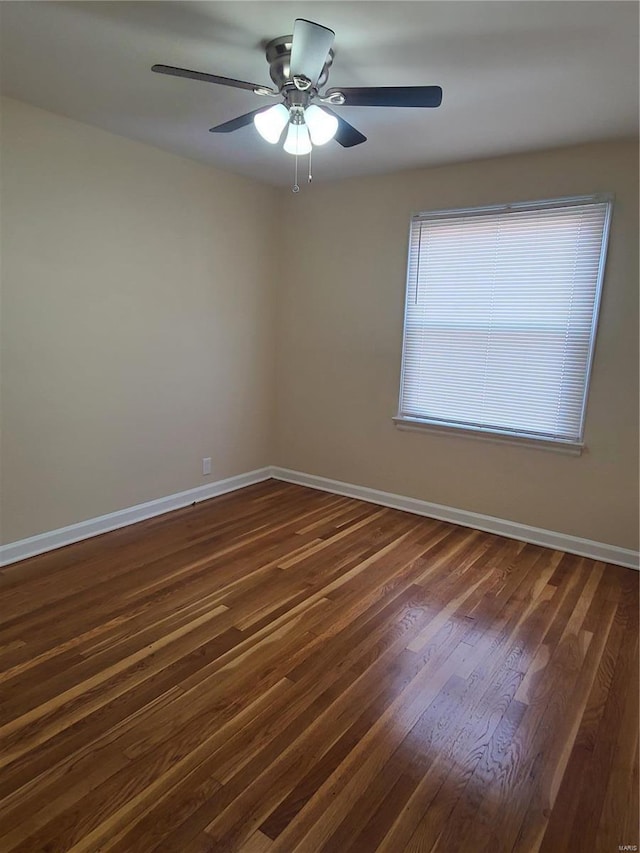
x=282, y=669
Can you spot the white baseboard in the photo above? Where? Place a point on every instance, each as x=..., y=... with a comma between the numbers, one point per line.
x=15, y=551
x=24, y=548
x=511, y=529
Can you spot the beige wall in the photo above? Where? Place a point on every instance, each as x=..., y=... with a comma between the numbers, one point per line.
x=136, y=322
x=144, y=298
x=340, y=306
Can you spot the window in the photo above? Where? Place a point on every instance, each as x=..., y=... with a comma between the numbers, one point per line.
x=500, y=318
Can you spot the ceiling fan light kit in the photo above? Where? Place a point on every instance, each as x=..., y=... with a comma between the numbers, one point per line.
x=299, y=67
x=313, y=122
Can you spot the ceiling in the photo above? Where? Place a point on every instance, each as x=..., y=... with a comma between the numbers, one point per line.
x=516, y=75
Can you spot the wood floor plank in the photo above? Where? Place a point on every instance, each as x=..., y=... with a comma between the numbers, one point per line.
x=282, y=669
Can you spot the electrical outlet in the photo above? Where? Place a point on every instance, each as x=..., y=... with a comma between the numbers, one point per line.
x=206, y=466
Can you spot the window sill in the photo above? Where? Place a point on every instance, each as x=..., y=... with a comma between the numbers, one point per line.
x=417, y=425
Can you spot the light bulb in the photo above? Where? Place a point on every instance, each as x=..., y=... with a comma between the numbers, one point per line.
x=297, y=141
x=322, y=125
x=270, y=123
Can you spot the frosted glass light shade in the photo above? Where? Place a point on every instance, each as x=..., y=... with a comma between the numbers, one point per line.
x=322, y=126
x=297, y=141
x=272, y=122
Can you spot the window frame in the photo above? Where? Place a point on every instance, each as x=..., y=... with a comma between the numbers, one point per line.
x=507, y=436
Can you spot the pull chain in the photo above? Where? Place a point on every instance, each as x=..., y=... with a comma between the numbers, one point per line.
x=310, y=175
x=295, y=188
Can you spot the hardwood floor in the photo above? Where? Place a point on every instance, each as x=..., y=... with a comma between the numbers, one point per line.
x=282, y=669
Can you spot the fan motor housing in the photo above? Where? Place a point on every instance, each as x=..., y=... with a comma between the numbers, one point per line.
x=278, y=53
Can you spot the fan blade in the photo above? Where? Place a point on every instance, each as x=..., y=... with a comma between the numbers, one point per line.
x=236, y=123
x=346, y=135
x=310, y=47
x=212, y=78
x=390, y=96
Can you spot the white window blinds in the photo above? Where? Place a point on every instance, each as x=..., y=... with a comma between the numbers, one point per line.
x=500, y=317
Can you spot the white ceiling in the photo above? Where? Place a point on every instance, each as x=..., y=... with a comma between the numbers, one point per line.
x=516, y=75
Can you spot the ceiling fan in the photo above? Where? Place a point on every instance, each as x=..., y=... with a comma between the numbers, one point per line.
x=299, y=67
